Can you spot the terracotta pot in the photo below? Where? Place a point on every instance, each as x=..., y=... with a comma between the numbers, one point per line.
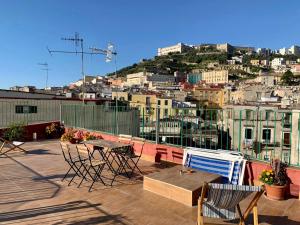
x=275, y=192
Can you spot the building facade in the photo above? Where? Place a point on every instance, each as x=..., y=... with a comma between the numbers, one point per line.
x=215, y=77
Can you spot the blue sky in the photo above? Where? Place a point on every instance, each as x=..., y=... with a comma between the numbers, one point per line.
x=137, y=28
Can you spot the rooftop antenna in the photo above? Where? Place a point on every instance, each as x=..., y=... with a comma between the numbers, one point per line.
x=109, y=53
x=46, y=68
x=79, y=41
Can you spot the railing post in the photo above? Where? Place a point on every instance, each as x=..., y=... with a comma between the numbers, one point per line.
x=157, y=125
x=143, y=123
x=240, y=130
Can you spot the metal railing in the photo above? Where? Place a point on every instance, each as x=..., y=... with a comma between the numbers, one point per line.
x=109, y=119
x=260, y=134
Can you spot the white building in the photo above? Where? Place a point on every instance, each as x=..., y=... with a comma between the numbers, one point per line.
x=283, y=51
x=277, y=62
x=295, y=50
x=180, y=47
x=264, y=51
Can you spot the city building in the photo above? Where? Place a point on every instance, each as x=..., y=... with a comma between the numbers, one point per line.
x=178, y=48
x=215, y=77
x=264, y=51
x=264, y=131
x=139, y=79
x=149, y=103
x=194, y=78
x=211, y=97
x=277, y=62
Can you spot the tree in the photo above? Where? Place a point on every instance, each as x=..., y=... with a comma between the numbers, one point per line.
x=288, y=78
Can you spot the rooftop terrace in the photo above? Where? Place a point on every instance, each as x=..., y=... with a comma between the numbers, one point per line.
x=31, y=192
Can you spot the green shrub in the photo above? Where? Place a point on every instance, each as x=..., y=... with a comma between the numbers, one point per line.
x=15, y=132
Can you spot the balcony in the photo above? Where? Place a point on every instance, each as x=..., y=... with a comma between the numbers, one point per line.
x=32, y=192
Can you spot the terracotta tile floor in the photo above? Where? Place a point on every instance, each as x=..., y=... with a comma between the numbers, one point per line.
x=31, y=192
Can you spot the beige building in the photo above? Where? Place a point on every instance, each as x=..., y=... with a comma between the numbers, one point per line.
x=264, y=132
x=211, y=97
x=148, y=104
x=215, y=76
x=180, y=47
x=138, y=79
x=120, y=95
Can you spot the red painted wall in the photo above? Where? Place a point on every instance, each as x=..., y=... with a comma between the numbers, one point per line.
x=34, y=128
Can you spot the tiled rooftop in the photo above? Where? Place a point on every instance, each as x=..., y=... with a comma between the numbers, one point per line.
x=31, y=192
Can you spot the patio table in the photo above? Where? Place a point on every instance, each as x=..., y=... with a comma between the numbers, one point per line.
x=113, y=153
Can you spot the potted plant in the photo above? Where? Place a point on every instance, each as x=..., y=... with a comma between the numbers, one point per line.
x=88, y=136
x=275, y=180
x=54, y=130
x=68, y=136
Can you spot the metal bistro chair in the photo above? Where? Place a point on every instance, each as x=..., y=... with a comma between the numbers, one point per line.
x=132, y=158
x=74, y=163
x=223, y=202
x=92, y=167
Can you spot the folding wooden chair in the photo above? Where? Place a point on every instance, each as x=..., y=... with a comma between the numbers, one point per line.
x=223, y=202
x=92, y=167
x=74, y=163
x=10, y=145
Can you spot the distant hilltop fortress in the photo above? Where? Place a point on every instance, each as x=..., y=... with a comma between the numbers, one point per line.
x=228, y=48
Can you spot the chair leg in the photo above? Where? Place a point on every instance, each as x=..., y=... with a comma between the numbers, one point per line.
x=200, y=216
x=242, y=220
x=255, y=215
x=66, y=174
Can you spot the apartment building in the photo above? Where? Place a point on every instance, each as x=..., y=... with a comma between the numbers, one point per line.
x=215, y=77
x=148, y=104
x=277, y=62
x=212, y=97
x=179, y=48
x=264, y=131
x=139, y=79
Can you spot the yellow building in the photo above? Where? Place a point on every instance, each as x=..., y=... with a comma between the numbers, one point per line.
x=255, y=62
x=215, y=76
x=148, y=104
x=120, y=95
x=211, y=97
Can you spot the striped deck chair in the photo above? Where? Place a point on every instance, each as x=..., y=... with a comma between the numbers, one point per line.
x=228, y=164
x=223, y=202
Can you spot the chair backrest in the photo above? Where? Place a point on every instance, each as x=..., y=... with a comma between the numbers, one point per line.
x=124, y=138
x=82, y=152
x=140, y=141
x=222, y=199
x=65, y=151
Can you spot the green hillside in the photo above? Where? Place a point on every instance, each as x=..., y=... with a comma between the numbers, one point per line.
x=194, y=59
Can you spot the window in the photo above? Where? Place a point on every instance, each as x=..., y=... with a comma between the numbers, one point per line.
x=286, y=139
x=248, y=133
x=158, y=102
x=266, y=135
x=166, y=102
x=26, y=109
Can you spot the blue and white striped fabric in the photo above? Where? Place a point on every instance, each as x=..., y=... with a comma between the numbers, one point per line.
x=230, y=170
x=222, y=199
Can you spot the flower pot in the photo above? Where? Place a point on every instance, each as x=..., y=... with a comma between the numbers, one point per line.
x=275, y=192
